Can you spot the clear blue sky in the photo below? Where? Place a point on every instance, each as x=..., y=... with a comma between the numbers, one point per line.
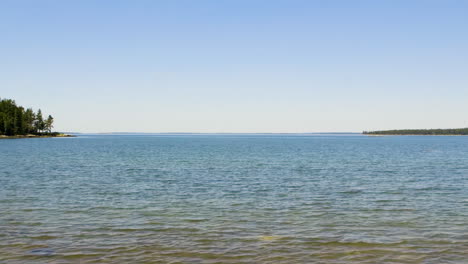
x=237, y=66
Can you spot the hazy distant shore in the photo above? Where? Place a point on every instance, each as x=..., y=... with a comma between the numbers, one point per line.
x=383, y=135
x=37, y=136
x=419, y=132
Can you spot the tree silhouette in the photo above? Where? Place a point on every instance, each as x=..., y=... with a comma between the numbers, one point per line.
x=15, y=120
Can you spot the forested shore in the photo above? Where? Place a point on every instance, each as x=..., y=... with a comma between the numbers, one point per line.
x=422, y=132
x=17, y=121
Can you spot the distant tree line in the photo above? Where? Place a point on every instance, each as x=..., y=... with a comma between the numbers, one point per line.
x=16, y=120
x=450, y=131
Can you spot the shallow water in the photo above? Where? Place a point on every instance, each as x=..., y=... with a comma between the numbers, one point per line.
x=234, y=199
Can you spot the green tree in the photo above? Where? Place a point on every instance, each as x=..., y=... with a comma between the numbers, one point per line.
x=2, y=123
x=9, y=110
x=39, y=123
x=19, y=124
x=49, y=124
x=29, y=118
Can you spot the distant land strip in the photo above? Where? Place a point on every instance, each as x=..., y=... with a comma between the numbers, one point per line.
x=421, y=132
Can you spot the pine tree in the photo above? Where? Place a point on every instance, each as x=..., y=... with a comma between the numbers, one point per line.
x=39, y=124
x=28, y=120
x=19, y=124
x=49, y=123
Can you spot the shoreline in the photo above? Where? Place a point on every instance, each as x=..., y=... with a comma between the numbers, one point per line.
x=36, y=136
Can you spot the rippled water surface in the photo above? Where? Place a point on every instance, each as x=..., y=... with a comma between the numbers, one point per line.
x=234, y=199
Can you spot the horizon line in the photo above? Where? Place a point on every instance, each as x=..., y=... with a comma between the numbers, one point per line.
x=74, y=132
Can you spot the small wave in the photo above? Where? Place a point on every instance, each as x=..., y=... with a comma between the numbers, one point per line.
x=44, y=237
x=42, y=252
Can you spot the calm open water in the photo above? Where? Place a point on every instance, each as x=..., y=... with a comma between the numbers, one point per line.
x=234, y=199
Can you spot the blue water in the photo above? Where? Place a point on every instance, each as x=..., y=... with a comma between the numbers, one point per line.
x=234, y=199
